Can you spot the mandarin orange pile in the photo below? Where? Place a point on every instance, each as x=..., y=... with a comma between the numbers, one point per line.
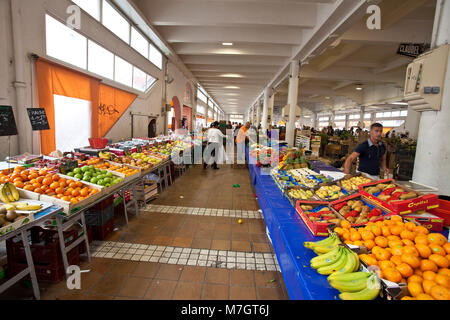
x=405, y=253
x=93, y=161
x=43, y=182
x=117, y=168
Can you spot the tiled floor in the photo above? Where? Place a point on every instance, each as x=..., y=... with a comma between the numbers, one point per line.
x=187, y=244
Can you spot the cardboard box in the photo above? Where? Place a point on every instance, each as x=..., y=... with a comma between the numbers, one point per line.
x=402, y=207
x=318, y=229
x=428, y=220
x=367, y=202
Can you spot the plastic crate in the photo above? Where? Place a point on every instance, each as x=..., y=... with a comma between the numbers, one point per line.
x=46, y=250
x=102, y=205
x=98, y=143
x=101, y=232
x=99, y=218
x=46, y=273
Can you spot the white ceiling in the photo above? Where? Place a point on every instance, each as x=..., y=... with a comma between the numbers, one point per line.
x=268, y=34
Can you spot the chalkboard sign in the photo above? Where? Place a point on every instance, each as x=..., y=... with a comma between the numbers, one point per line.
x=7, y=121
x=38, y=119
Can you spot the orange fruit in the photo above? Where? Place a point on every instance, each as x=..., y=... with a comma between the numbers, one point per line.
x=47, y=181
x=427, y=265
x=367, y=235
x=427, y=285
x=407, y=298
x=354, y=236
x=437, y=249
x=441, y=261
x=407, y=242
x=28, y=188
x=358, y=243
x=382, y=255
x=424, y=296
x=442, y=280
x=385, y=231
x=73, y=200
x=440, y=293
x=421, y=230
x=381, y=241
x=73, y=185
x=415, y=278
x=405, y=270
x=424, y=250
x=54, y=185
x=345, y=235
x=345, y=224
x=415, y=288
x=421, y=239
x=409, y=226
x=411, y=250
x=406, y=234
x=376, y=230
x=410, y=259
x=418, y=272
x=348, y=242
x=338, y=230
x=444, y=271
x=395, y=243
x=446, y=247
x=392, y=274
x=428, y=275
x=65, y=198
x=396, y=218
x=369, y=244
x=369, y=260
x=393, y=238
x=62, y=183
x=55, y=177
x=19, y=184
x=75, y=193
x=38, y=190
x=386, y=264
x=397, y=260
x=79, y=184
x=397, y=250
x=353, y=230
x=436, y=238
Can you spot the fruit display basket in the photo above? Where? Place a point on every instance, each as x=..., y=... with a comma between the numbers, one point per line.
x=108, y=165
x=358, y=210
x=330, y=192
x=317, y=210
x=304, y=194
x=399, y=199
x=351, y=185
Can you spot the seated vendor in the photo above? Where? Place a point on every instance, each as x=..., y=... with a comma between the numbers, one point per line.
x=371, y=153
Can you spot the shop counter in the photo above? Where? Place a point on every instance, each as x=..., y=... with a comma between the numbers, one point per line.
x=287, y=233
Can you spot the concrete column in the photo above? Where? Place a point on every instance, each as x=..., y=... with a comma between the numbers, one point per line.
x=292, y=101
x=265, y=110
x=412, y=123
x=432, y=163
x=315, y=120
x=361, y=117
x=333, y=118
x=271, y=104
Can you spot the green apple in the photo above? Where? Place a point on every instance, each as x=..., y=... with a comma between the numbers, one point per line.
x=100, y=182
x=78, y=176
x=94, y=180
x=71, y=174
x=77, y=170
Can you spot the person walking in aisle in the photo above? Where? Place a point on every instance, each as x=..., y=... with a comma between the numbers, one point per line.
x=214, y=147
x=371, y=154
x=241, y=138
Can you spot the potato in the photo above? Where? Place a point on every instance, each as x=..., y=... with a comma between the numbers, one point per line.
x=351, y=219
x=357, y=204
x=410, y=195
x=350, y=202
x=365, y=209
x=383, y=197
x=335, y=221
x=358, y=209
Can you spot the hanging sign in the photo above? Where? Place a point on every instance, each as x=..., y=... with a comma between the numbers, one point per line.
x=412, y=49
x=7, y=122
x=38, y=119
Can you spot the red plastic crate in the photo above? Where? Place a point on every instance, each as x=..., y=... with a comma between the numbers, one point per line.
x=47, y=251
x=46, y=273
x=98, y=143
x=101, y=232
x=443, y=211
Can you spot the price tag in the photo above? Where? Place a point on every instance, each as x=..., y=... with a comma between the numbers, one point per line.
x=138, y=149
x=7, y=121
x=38, y=119
x=127, y=151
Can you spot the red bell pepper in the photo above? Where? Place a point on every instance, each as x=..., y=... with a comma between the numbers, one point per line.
x=387, y=191
x=327, y=218
x=325, y=212
x=315, y=214
x=339, y=206
x=375, y=213
x=352, y=213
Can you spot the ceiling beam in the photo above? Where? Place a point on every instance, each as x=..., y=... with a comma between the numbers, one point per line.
x=207, y=13
x=233, y=60
x=248, y=34
x=342, y=84
x=237, y=49
x=395, y=63
x=394, y=11
x=231, y=68
x=334, y=55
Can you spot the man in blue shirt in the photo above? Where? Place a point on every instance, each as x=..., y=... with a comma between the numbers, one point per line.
x=371, y=153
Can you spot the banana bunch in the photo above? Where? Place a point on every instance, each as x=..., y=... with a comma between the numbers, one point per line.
x=22, y=206
x=8, y=193
x=340, y=260
x=301, y=194
x=323, y=246
x=356, y=285
x=105, y=155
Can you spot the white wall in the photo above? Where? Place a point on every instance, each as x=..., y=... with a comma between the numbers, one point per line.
x=33, y=41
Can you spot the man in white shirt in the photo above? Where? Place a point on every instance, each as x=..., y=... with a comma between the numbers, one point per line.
x=215, y=142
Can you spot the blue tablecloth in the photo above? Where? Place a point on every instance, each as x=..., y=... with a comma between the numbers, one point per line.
x=288, y=232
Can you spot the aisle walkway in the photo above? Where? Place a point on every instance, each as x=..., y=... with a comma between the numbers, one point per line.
x=187, y=244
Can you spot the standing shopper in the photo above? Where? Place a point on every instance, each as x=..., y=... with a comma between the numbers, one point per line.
x=371, y=154
x=240, y=141
x=215, y=146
